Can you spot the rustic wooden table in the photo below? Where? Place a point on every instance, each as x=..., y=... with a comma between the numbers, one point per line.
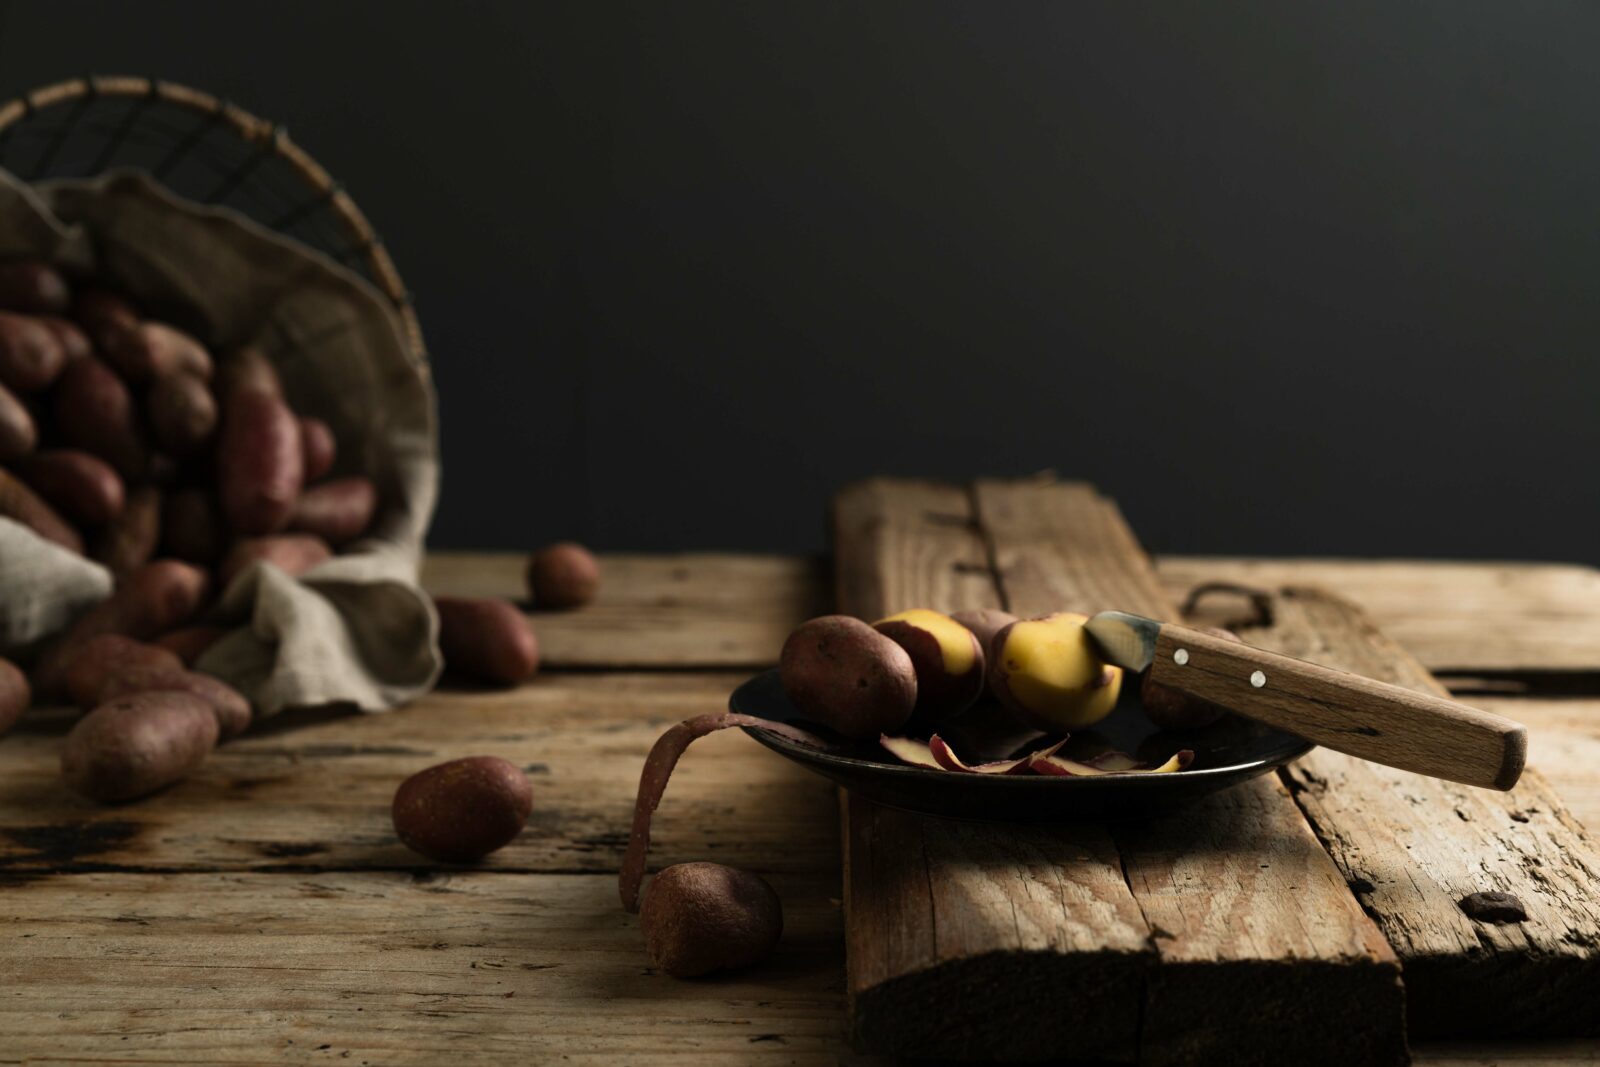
x=263, y=912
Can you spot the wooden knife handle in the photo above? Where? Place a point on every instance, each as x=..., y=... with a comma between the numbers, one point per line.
x=1373, y=720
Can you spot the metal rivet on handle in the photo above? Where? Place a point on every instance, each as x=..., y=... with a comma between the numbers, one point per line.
x=1258, y=679
x=1181, y=656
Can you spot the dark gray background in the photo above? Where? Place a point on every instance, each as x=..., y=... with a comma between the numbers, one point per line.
x=1281, y=277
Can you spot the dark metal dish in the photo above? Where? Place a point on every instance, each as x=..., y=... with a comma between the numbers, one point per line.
x=1229, y=751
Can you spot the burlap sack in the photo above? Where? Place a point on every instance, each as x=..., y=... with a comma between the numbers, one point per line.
x=357, y=629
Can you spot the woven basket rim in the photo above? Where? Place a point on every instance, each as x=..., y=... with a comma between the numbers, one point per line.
x=255, y=131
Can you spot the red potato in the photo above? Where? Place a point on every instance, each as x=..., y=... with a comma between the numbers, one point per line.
x=107, y=318
x=182, y=413
x=82, y=486
x=336, y=511
x=191, y=526
x=94, y=411
x=294, y=554
x=19, y=434
x=227, y=703
x=130, y=541
x=319, y=447
x=248, y=369
x=134, y=745
x=32, y=286
x=260, y=467
x=487, y=639
x=563, y=575
x=31, y=355
x=23, y=505
x=153, y=350
x=157, y=597
x=93, y=661
x=75, y=344
x=191, y=642
x=15, y=694
x=461, y=811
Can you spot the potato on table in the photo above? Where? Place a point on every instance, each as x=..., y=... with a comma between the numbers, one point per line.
x=486, y=639
x=134, y=745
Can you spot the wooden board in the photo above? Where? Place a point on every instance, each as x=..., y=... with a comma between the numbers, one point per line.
x=1412, y=847
x=693, y=610
x=961, y=938
x=1564, y=745
x=1454, y=617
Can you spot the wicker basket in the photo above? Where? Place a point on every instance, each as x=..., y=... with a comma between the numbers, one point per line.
x=205, y=150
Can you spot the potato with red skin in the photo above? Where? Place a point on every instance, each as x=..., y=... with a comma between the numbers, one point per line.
x=152, y=350
x=248, y=369
x=15, y=694
x=33, y=286
x=181, y=412
x=1173, y=709
x=31, y=355
x=152, y=600
x=338, y=511
x=259, y=463
x=75, y=344
x=319, y=446
x=83, y=487
x=191, y=526
x=131, y=539
x=134, y=745
x=487, y=639
x=21, y=504
x=107, y=318
x=191, y=642
x=226, y=703
x=840, y=672
x=461, y=811
x=294, y=554
x=698, y=918
x=94, y=411
x=563, y=575
x=19, y=433
x=97, y=658
x=948, y=661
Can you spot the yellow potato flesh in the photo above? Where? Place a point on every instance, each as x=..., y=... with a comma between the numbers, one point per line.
x=955, y=641
x=1053, y=671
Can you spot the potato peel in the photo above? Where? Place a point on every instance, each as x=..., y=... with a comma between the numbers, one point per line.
x=948, y=760
x=1107, y=764
x=658, y=767
x=910, y=750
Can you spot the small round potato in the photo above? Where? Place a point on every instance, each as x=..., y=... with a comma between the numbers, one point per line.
x=564, y=575
x=487, y=638
x=947, y=658
x=840, y=672
x=704, y=917
x=462, y=810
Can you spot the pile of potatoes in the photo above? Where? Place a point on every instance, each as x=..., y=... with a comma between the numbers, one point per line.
x=123, y=439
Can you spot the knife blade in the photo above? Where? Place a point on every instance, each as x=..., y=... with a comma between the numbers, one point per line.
x=1373, y=720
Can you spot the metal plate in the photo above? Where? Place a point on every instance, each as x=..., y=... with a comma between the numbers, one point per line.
x=1229, y=751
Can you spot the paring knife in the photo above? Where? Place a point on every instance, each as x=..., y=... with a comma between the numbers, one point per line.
x=1346, y=712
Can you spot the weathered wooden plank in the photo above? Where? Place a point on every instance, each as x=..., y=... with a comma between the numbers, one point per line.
x=1256, y=931
x=386, y=967
x=944, y=916
x=1414, y=846
x=1454, y=617
x=694, y=610
x=1563, y=745
x=314, y=791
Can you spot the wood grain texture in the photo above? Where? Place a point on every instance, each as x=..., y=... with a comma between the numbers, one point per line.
x=944, y=914
x=1304, y=973
x=694, y=610
x=1416, y=731
x=1263, y=948
x=1414, y=846
x=1563, y=746
x=313, y=791
x=1545, y=616
x=392, y=968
